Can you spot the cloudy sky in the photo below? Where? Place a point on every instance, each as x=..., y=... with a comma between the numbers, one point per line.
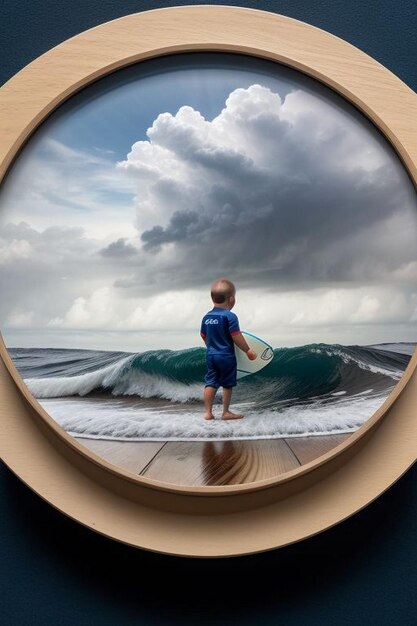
x=142, y=189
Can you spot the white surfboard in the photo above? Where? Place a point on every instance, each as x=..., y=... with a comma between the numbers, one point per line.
x=264, y=352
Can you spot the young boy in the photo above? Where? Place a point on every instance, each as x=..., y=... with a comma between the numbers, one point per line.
x=220, y=331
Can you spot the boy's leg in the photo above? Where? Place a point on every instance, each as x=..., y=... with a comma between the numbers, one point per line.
x=228, y=381
x=209, y=393
x=210, y=388
x=227, y=414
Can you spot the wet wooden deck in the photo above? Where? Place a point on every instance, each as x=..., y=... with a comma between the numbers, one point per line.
x=213, y=462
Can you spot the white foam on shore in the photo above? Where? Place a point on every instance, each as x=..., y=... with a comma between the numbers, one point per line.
x=119, y=419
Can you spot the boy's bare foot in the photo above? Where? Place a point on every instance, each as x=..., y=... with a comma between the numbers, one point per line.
x=231, y=416
x=209, y=416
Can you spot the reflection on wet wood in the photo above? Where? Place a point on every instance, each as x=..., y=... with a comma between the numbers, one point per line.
x=221, y=462
x=307, y=449
x=213, y=462
x=131, y=455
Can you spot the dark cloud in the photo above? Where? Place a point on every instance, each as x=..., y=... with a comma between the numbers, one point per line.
x=272, y=193
x=286, y=232
x=183, y=225
x=119, y=249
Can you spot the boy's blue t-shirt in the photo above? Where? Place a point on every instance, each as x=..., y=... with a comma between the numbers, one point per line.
x=217, y=328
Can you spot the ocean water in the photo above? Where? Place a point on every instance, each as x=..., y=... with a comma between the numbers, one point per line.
x=157, y=395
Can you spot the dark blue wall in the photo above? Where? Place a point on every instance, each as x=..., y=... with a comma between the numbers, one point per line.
x=364, y=571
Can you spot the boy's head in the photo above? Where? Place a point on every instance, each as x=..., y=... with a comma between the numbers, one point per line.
x=223, y=293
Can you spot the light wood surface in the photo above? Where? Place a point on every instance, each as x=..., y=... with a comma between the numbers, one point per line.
x=223, y=519
x=221, y=462
x=307, y=449
x=131, y=455
x=213, y=462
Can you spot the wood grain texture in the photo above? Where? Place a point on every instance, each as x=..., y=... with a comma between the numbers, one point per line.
x=221, y=462
x=213, y=462
x=307, y=449
x=149, y=513
x=131, y=455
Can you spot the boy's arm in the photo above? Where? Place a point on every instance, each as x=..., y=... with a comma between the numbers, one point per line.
x=241, y=343
x=239, y=339
x=202, y=332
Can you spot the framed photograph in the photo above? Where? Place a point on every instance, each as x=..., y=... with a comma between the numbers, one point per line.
x=208, y=276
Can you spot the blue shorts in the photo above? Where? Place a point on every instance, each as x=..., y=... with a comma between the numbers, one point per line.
x=221, y=370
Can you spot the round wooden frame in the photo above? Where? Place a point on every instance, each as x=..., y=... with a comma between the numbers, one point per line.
x=206, y=521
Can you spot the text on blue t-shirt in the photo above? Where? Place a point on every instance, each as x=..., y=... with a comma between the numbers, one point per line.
x=217, y=328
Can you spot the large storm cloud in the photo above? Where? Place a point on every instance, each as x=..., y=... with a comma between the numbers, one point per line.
x=270, y=191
